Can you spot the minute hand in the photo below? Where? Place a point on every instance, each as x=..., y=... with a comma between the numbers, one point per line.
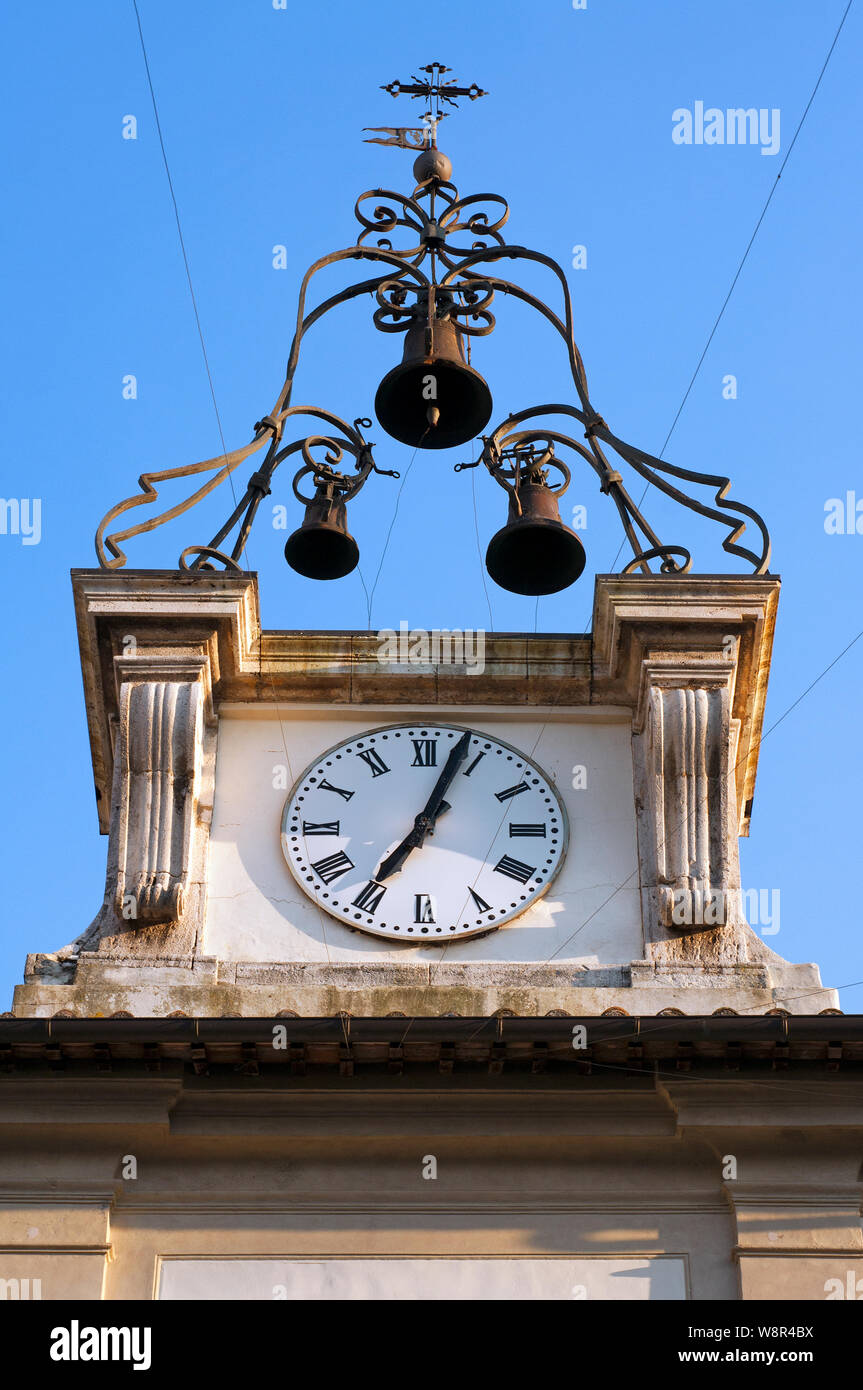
x=425, y=821
x=451, y=767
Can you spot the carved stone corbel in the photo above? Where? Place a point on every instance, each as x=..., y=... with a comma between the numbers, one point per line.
x=684, y=740
x=161, y=802
x=689, y=655
x=158, y=769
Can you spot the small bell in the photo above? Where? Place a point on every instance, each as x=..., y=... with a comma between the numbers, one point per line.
x=534, y=553
x=433, y=399
x=323, y=548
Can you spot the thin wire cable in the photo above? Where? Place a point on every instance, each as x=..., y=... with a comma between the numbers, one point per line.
x=677, y=417
x=744, y=257
x=695, y=374
x=479, y=552
x=653, y=1070
x=215, y=406
x=390, y=531
x=393, y=522
x=621, y=886
x=761, y=741
x=807, y=994
x=183, y=244
x=484, y=1022
x=368, y=600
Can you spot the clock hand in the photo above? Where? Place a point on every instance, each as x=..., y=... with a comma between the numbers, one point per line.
x=451, y=767
x=424, y=823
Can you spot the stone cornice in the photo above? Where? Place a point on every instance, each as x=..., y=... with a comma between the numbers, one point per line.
x=726, y=620
x=161, y=618
x=665, y=1034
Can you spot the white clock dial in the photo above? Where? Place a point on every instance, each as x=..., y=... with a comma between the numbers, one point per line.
x=424, y=832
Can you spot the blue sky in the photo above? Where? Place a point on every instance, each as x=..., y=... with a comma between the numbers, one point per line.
x=262, y=111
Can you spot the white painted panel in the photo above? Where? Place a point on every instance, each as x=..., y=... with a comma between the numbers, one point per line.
x=257, y=912
x=398, y=1280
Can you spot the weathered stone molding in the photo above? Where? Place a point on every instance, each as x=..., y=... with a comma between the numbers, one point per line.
x=157, y=613
x=161, y=804
x=713, y=621
x=687, y=656
x=157, y=774
x=690, y=656
x=152, y=653
x=683, y=745
x=203, y=987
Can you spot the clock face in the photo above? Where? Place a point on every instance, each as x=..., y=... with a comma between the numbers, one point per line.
x=424, y=832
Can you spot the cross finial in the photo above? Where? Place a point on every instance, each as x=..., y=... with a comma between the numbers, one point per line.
x=436, y=93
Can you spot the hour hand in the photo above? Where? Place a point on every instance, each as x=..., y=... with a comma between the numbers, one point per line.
x=423, y=825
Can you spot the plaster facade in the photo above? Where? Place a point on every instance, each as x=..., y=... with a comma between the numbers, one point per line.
x=315, y=1183
x=192, y=709
x=255, y=913
x=159, y=1141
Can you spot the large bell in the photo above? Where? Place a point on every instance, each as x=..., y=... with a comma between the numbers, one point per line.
x=323, y=548
x=433, y=399
x=534, y=553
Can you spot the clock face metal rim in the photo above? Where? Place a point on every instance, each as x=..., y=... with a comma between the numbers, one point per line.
x=350, y=914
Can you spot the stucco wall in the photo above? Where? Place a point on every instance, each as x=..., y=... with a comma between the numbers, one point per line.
x=257, y=913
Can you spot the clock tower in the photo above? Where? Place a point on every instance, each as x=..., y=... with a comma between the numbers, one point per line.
x=305, y=822
x=420, y=959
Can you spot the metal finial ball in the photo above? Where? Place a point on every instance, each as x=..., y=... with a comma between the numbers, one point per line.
x=432, y=164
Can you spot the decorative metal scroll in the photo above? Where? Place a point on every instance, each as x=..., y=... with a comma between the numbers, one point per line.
x=449, y=249
x=468, y=300
x=503, y=449
x=521, y=459
x=322, y=471
x=445, y=214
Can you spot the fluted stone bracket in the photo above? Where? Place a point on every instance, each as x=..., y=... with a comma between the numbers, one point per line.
x=153, y=654
x=690, y=656
x=157, y=787
x=162, y=800
x=684, y=749
x=687, y=656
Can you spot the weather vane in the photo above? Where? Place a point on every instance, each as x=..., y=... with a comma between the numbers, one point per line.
x=435, y=92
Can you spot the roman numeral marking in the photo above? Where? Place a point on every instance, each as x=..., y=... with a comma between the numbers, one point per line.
x=374, y=760
x=333, y=866
x=469, y=770
x=511, y=791
x=482, y=906
x=326, y=786
x=513, y=868
x=325, y=827
x=515, y=829
x=370, y=896
x=423, y=908
x=425, y=752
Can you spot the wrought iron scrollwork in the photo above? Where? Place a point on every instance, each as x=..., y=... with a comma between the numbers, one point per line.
x=385, y=220
x=467, y=304
x=520, y=459
x=434, y=275
x=323, y=472
x=508, y=444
